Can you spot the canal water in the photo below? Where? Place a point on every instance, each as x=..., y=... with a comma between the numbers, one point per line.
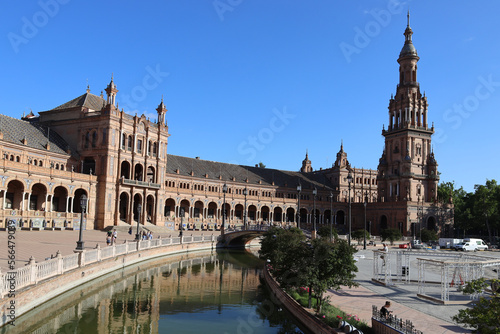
x=202, y=293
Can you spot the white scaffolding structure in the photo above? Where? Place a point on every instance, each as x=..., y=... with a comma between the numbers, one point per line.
x=466, y=269
x=448, y=273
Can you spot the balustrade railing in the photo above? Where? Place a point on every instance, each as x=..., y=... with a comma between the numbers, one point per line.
x=35, y=272
x=398, y=324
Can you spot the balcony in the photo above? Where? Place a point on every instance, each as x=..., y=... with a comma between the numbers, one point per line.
x=140, y=183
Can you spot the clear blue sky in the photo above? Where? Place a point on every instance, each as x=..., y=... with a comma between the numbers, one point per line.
x=256, y=80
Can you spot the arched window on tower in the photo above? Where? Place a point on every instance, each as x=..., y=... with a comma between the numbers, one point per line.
x=124, y=140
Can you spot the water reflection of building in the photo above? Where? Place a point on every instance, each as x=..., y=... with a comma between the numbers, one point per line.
x=89, y=146
x=134, y=303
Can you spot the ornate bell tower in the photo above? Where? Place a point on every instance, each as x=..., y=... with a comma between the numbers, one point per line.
x=407, y=170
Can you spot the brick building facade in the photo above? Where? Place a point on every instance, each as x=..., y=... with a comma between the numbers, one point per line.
x=120, y=162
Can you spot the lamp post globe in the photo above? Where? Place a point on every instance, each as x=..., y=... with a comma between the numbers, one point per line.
x=83, y=206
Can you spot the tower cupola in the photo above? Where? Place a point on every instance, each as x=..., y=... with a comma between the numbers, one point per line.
x=111, y=92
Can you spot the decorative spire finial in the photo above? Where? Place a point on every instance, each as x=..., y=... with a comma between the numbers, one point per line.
x=408, y=16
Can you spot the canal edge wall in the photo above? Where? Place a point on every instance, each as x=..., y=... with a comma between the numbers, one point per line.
x=308, y=320
x=35, y=295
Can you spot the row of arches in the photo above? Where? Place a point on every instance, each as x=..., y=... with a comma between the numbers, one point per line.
x=172, y=210
x=37, y=197
x=138, y=172
x=34, y=161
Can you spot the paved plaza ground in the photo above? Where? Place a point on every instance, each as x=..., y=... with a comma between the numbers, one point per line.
x=425, y=315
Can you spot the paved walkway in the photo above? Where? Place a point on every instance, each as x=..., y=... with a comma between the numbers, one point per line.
x=359, y=301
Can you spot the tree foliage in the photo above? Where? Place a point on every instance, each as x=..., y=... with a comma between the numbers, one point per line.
x=428, y=235
x=296, y=261
x=484, y=316
x=391, y=234
x=475, y=213
x=324, y=232
x=358, y=235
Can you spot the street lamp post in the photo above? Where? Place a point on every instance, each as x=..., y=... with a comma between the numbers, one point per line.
x=139, y=211
x=349, y=180
x=315, y=192
x=224, y=191
x=331, y=216
x=419, y=217
x=364, y=232
x=299, y=189
x=83, y=205
x=245, y=192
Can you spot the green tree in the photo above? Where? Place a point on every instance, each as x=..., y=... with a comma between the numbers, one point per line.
x=324, y=232
x=358, y=235
x=295, y=261
x=428, y=235
x=486, y=206
x=261, y=165
x=332, y=266
x=484, y=316
x=283, y=248
x=391, y=234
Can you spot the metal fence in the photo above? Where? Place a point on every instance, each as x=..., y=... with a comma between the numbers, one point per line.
x=399, y=325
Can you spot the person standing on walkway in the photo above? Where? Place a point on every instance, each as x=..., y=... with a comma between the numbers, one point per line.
x=384, y=312
x=115, y=236
x=385, y=249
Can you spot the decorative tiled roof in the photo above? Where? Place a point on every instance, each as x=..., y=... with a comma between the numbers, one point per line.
x=15, y=130
x=240, y=173
x=87, y=100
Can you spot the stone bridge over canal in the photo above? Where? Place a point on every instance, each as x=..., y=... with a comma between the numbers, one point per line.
x=240, y=238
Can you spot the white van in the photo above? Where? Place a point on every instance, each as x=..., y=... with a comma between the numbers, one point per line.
x=472, y=245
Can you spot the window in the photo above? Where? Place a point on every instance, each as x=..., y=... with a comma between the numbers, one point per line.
x=94, y=139
x=139, y=145
x=87, y=140
x=129, y=146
